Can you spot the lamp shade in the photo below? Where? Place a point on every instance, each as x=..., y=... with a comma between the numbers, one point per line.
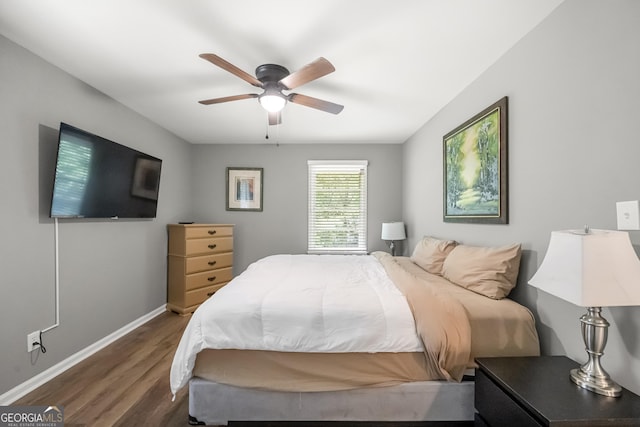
x=597, y=268
x=393, y=231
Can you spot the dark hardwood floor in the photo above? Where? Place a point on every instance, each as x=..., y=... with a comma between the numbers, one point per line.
x=127, y=384
x=124, y=384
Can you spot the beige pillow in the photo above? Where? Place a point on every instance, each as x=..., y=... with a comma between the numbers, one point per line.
x=430, y=253
x=491, y=272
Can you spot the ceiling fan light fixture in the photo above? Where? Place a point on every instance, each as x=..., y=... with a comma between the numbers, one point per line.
x=273, y=79
x=272, y=100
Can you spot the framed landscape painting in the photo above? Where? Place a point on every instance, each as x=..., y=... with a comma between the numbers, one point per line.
x=475, y=168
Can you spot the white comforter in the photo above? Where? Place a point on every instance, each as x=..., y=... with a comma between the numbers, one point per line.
x=301, y=303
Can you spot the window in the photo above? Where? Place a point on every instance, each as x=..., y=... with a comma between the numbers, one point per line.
x=337, y=206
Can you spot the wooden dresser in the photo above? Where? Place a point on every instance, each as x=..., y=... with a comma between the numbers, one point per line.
x=200, y=262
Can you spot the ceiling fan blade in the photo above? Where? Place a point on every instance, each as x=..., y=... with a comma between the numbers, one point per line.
x=225, y=65
x=314, y=70
x=316, y=103
x=228, y=98
x=275, y=118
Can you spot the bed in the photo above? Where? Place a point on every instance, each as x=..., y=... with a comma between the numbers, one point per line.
x=353, y=337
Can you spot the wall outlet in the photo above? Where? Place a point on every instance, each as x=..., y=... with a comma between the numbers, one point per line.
x=33, y=341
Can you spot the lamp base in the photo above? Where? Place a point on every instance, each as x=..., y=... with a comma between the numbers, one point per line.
x=591, y=375
x=603, y=385
x=392, y=246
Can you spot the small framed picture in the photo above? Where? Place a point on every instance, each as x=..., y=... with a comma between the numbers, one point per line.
x=244, y=189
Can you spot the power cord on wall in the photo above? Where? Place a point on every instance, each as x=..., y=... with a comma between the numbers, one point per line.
x=40, y=341
x=43, y=349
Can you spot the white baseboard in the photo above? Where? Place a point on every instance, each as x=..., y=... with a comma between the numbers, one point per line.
x=35, y=382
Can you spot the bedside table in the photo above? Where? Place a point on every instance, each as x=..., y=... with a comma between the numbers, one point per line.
x=537, y=391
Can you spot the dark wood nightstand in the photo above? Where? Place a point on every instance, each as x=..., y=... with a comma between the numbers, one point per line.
x=537, y=391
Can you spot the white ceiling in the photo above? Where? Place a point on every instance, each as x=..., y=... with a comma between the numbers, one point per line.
x=398, y=62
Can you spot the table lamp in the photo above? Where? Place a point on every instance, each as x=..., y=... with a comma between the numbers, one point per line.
x=592, y=269
x=393, y=231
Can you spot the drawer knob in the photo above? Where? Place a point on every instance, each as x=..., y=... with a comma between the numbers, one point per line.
x=212, y=232
x=209, y=294
x=212, y=263
x=212, y=246
x=211, y=279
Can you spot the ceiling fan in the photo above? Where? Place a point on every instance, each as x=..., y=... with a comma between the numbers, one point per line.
x=274, y=79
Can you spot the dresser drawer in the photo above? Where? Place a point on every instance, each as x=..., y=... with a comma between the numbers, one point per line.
x=197, y=232
x=208, y=278
x=198, y=296
x=196, y=264
x=496, y=407
x=181, y=236
x=208, y=246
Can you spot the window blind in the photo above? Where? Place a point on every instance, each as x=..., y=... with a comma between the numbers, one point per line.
x=337, y=206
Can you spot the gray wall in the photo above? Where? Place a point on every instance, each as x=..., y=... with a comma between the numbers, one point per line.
x=282, y=226
x=111, y=272
x=574, y=105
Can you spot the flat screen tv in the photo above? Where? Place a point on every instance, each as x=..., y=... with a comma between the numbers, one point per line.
x=98, y=178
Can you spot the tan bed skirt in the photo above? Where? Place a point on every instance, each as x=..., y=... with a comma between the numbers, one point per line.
x=309, y=371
